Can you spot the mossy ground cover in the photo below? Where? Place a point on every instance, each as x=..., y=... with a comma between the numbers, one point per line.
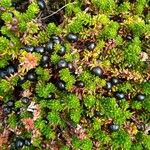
x=75, y=75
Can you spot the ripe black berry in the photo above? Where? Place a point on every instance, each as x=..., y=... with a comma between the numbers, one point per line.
x=119, y=95
x=140, y=97
x=45, y=59
x=56, y=39
x=39, y=49
x=62, y=64
x=128, y=37
x=51, y=96
x=114, y=80
x=71, y=37
x=90, y=46
x=41, y=4
x=114, y=127
x=7, y=110
x=61, y=85
x=25, y=100
x=79, y=84
x=71, y=67
x=45, y=65
x=62, y=51
x=27, y=142
x=97, y=71
x=10, y=70
x=19, y=143
x=31, y=76
x=98, y=114
x=49, y=47
x=10, y=103
x=29, y=48
x=3, y=73
x=108, y=85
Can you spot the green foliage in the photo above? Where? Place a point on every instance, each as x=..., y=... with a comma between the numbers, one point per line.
x=121, y=140
x=111, y=109
x=5, y=86
x=52, y=29
x=138, y=27
x=44, y=89
x=124, y=7
x=132, y=52
x=145, y=88
x=46, y=131
x=43, y=74
x=76, y=25
x=125, y=87
x=54, y=118
x=89, y=101
x=12, y=121
x=102, y=136
x=146, y=103
x=139, y=6
x=5, y=3
x=72, y=101
x=26, y=85
x=136, y=105
x=105, y=5
x=37, y=142
x=110, y=30
x=75, y=115
x=85, y=144
x=4, y=44
x=67, y=77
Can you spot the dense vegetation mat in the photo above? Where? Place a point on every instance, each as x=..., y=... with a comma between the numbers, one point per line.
x=74, y=75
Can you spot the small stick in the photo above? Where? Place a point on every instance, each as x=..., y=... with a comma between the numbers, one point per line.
x=57, y=11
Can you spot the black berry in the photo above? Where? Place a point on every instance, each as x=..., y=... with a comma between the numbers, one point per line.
x=71, y=37
x=7, y=110
x=140, y=97
x=39, y=49
x=62, y=64
x=129, y=37
x=3, y=73
x=98, y=114
x=31, y=76
x=45, y=65
x=27, y=142
x=19, y=143
x=62, y=51
x=114, y=80
x=51, y=96
x=114, y=127
x=71, y=67
x=108, y=85
x=79, y=84
x=29, y=48
x=41, y=4
x=61, y=85
x=11, y=70
x=97, y=71
x=49, y=47
x=119, y=95
x=56, y=39
x=25, y=100
x=45, y=59
x=90, y=46
x=10, y=103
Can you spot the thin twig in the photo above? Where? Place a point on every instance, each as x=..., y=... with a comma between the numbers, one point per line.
x=57, y=11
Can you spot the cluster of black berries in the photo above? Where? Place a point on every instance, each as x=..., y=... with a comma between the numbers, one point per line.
x=20, y=142
x=7, y=71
